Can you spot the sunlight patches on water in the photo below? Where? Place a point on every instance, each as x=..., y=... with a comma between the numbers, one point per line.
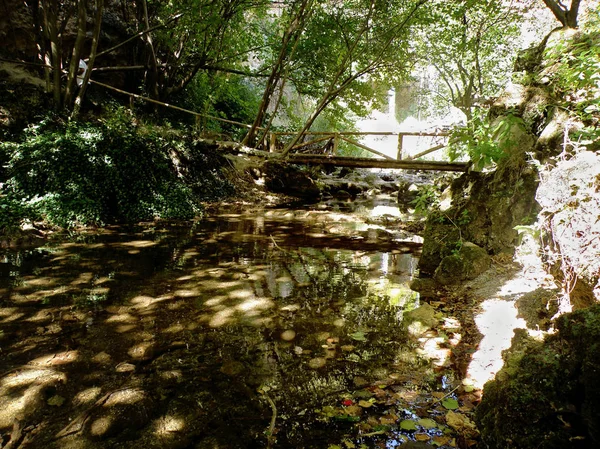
x=121, y=318
x=174, y=329
x=62, y=358
x=87, y=396
x=380, y=211
x=256, y=304
x=221, y=318
x=168, y=424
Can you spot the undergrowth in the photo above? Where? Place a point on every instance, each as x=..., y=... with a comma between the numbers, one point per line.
x=71, y=173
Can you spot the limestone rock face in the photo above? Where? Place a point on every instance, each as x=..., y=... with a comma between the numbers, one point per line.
x=468, y=263
x=547, y=394
x=569, y=195
x=486, y=207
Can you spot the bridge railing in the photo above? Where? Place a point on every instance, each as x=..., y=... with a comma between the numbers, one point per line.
x=330, y=142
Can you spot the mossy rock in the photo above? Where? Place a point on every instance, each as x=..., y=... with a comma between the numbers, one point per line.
x=547, y=395
x=290, y=180
x=467, y=263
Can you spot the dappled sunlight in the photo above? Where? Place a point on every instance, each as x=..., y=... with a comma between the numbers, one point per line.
x=60, y=358
x=197, y=316
x=101, y=425
x=496, y=322
x=87, y=396
x=125, y=396
x=166, y=425
x=20, y=392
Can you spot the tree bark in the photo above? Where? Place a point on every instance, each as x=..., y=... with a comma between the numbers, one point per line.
x=76, y=54
x=50, y=20
x=566, y=16
x=291, y=35
x=92, y=60
x=152, y=79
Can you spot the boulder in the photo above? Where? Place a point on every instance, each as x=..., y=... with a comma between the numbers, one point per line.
x=421, y=319
x=467, y=263
x=547, y=395
x=289, y=179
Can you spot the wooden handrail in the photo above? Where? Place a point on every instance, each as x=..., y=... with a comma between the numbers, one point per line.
x=367, y=133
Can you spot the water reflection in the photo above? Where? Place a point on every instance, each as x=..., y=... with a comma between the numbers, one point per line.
x=197, y=319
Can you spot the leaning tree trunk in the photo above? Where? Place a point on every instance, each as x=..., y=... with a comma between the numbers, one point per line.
x=92, y=60
x=76, y=54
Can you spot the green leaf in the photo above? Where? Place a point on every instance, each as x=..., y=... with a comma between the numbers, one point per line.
x=56, y=401
x=450, y=404
x=358, y=336
x=427, y=423
x=408, y=424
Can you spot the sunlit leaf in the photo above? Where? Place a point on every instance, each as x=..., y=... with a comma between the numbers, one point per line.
x=408, y=424
x=422, y=437
x=56, y=401
x=358, y=336
x=450, y=404
x=427, y=423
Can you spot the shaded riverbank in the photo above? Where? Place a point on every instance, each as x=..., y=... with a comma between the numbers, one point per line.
x=203, y=334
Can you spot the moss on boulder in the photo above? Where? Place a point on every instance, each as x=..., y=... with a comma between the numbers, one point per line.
x=547, y=395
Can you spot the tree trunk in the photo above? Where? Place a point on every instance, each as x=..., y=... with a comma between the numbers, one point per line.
x=50, y=21
x=76, y=54
x=152, y=79
x=567, y=17
x=92, y=60
x=292, y=34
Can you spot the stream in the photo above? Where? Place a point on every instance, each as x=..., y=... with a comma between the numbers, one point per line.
x=253, y=327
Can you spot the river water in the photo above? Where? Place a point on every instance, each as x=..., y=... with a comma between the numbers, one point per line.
x=251, y=328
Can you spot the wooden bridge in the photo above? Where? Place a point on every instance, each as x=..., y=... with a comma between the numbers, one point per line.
x=322, y=148
x=325, y=145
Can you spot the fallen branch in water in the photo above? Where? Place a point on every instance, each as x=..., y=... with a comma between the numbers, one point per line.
x=271, y=431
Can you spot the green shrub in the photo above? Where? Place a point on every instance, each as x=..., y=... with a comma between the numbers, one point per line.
x=484, y=142
x=113, y=171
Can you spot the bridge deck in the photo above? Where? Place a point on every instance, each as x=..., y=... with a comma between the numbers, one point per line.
x=365, y=162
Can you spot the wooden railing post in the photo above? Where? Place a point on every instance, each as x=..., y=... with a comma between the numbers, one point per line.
x=336, y=142
x=272, y=142
x=400, y=138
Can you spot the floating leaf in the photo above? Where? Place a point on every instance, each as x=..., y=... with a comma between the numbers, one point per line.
x=358, y=336
x=346, y=418
x=422, y=437
x=427, y=423
x=408, y=424
x=365, y=404
x=56, y=401
x=363, y=394
x=450, y=404
x=441, y=440
x=388, y=419
x=461, y=424
x=353, y=410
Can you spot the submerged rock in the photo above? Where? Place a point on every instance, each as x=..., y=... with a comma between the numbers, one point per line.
x=421, y=319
